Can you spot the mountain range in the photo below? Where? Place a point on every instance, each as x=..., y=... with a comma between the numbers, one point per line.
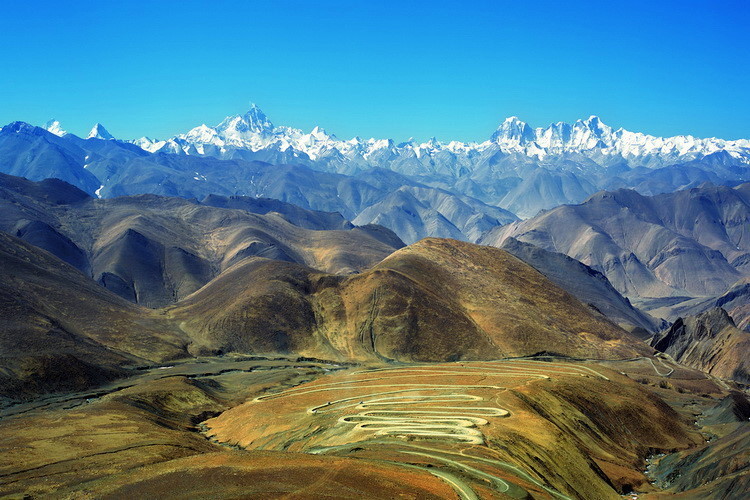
x=155, y=250
x=163, y=291
x=518, y=168
x=108, y=168
x=99, y=286
x=686, y=244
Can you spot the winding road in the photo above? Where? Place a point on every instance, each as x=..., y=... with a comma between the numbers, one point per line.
x=373, y=404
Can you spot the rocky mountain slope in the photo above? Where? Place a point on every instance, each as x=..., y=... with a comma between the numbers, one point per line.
x=434, y=300
x=59, y=330
x=690, y=243
x=589, y=286
x=709, y=342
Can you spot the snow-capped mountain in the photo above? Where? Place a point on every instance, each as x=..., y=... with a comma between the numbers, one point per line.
x=99, y=132
x=55, y=127
x=593, y=135
x=254, y=132
x=520, y=168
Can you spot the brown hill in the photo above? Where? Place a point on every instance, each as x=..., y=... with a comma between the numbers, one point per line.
x=156, y=250
x=59, y=330
x=434, y=300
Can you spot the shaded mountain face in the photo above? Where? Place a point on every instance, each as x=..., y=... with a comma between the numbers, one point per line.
x=736, y=301
x=588, y=285
x=434, y=300
x=709, y=342
x=34, y=153
x=59, y=330
x=155, y=250
x=689, y=243
x=106, y=168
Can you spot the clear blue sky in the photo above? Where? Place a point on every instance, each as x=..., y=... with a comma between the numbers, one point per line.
x=383, y=69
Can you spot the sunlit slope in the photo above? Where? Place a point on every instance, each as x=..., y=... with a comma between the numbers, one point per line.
x=508, y=429
x=435, y=300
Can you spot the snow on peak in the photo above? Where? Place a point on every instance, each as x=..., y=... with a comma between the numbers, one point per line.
x=252, y=122
x=590, y=137
x=99, y=132
x=257, y=119
x=319, y=133
x=513, y=131
x=54, y=127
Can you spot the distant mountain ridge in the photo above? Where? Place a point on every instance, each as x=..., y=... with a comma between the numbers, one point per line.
x=106, y=168
x=254, y=131
x=433, y=188
x=687, y=244
x=518, y=168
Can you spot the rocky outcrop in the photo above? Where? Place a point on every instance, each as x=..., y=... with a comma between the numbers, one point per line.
x=709, y=342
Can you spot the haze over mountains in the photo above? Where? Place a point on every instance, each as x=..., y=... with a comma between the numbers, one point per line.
x=445, y=189
x=690, y=243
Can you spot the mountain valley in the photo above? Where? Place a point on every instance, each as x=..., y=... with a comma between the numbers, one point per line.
x=225, y=316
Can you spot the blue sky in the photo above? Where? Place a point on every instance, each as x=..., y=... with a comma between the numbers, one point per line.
x=382, y=69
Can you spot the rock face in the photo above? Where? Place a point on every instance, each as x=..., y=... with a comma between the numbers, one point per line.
x=434, y=300
x=736, y=301
x=588, y=285
x=689, y=243
x=709, y=342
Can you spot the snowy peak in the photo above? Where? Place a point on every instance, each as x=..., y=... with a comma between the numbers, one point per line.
x=320, y=134
x=54, y=127
x=252, y=122
x=514, y=132
x=257, y=119
x=589, y=137
x=99, y=132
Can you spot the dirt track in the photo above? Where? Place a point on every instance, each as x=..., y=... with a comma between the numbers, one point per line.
x=397, y=405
